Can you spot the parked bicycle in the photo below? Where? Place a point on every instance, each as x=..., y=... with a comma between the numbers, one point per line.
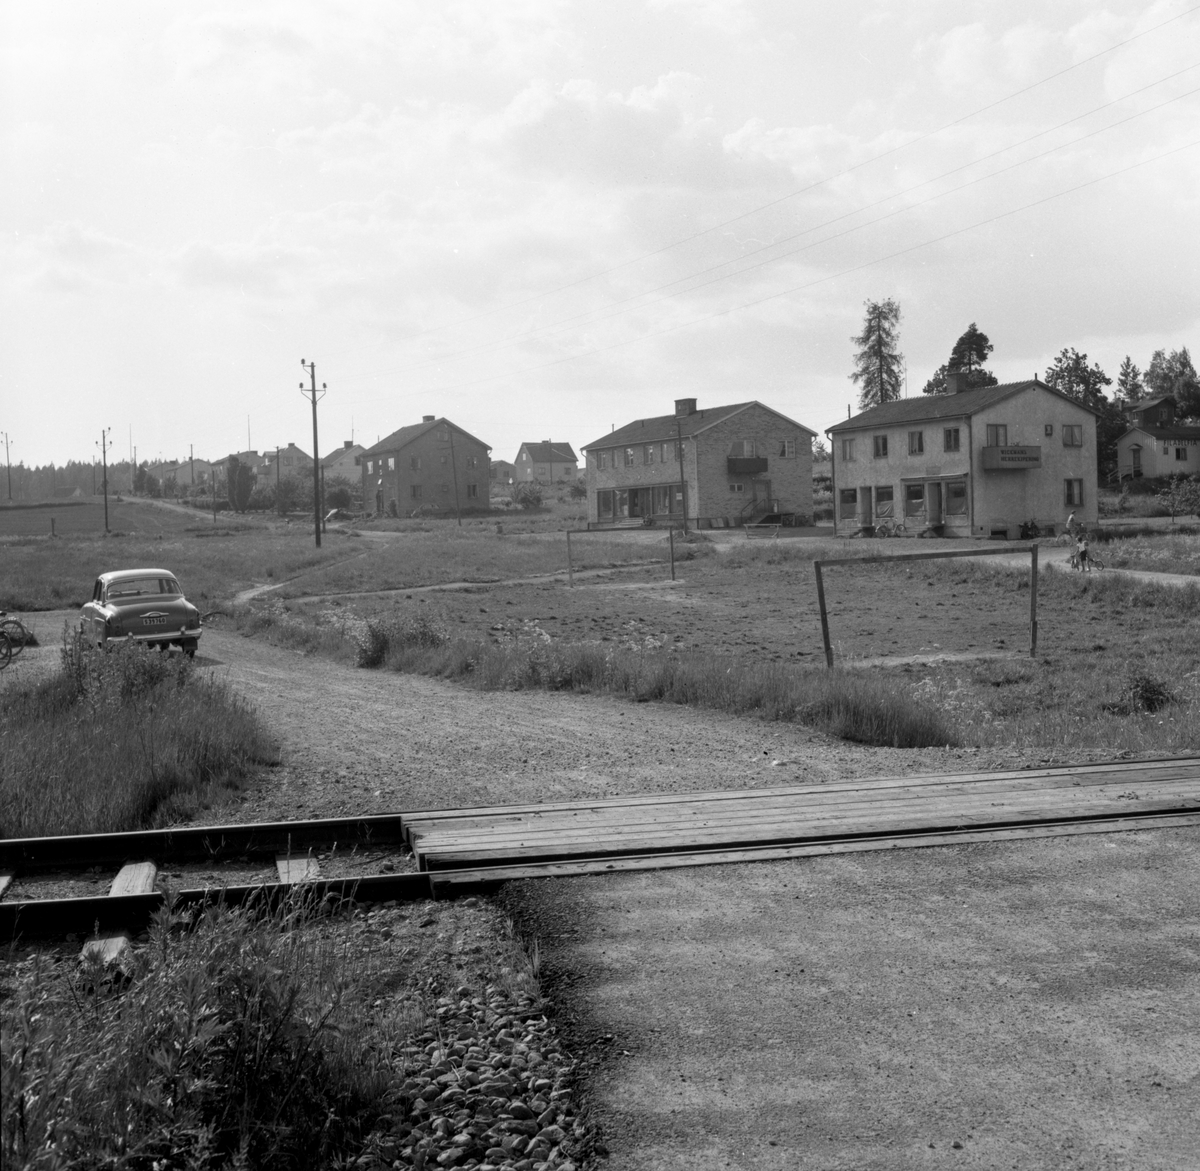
x=16, y=632
x=5, y=650
x=889, y=528
x=1030, y=531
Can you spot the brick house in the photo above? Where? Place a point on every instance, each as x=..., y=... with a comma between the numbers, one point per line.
x=432, y=465
x=722, y=466
x=1154, y=444
x=343, y=461
x=502, y=472
x=967, y=463
x=543, y=463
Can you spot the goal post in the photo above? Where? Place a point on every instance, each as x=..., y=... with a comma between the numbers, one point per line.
x=640, y=528
x=1032, y=550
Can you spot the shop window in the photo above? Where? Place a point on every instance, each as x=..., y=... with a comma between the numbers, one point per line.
x=1072, y=435
x=956, y=498
x=880, y=446
x=1074, y=492
x=847, y=503
x=848, y=450
x=916, y=443
x=884, y=502
x=951, y=439
x=997, y=435
x=604, y=505
x=914, y=499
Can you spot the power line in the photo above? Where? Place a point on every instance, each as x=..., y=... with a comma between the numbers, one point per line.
x=604, y=313
x=922, y=137
x=814, y=283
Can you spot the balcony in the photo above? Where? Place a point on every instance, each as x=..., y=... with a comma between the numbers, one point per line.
x=746, y=465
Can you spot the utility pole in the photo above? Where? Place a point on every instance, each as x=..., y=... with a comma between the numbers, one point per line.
x=454, y=473
x=682, y=474
x=311, y=367
x=192, y=462
x=103, y=445
x=8, y=465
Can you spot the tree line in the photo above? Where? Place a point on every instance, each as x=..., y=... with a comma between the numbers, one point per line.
x=879, y=374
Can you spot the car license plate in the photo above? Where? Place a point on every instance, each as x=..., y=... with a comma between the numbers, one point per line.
x=154, y=622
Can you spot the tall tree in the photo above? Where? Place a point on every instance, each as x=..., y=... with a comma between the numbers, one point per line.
x=1175, y=374
x=878, y=363
x=1130, y=387
x=1071, y=375
x=966, y=358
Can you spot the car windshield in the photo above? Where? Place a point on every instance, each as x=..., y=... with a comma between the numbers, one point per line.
x=131, y=588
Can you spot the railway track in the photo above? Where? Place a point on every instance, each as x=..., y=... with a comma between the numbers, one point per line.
x=442, y=853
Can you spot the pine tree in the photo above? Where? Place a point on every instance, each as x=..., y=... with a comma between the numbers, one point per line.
x=1130, y=387
x=878, y=364
x=1071, y=375
x=1175, y=374
x=966, y=358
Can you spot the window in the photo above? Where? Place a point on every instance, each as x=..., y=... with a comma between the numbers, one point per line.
x=787, y=449
x=472, y=461
x=415, y=463
x=602, y=460
x=914, y=499
x=604, y=505
x=1072, y=434
x=391, y=463
x=1074, y=492
x=414, y=491
x=1049, y=430
x=443, y=461
x=648, y=454
x=666, y=452
x=472, y=491
x=847, y=503
x=884, y=502
x=540, y=470
x=742, y=447
x=1181, y=453
x=951, y=439
x=997, y=435
x=524, y=457
x=370, y=467
x=848, y=450
x=629, y=457
x=880, y=446
x=737, y=487
x=916, y=443
x=956, y=498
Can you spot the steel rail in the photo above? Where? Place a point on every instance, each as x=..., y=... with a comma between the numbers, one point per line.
x=105, y=913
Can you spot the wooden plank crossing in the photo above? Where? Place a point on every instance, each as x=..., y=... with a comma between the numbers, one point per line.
x=814, y=817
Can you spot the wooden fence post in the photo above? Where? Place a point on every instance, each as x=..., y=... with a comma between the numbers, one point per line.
x=824, y=615
x=570, y=568
x=1033, y=575
x=671, y=541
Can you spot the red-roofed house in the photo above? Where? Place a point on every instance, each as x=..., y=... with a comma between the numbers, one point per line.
x=431, y=465
x=722, y=466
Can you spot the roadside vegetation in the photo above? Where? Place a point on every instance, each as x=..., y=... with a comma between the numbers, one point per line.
x=123, y=740
x=1177, y=552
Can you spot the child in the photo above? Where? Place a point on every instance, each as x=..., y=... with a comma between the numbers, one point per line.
x=1081, y=552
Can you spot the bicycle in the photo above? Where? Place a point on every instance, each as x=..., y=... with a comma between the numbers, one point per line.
x=5, y=650
x=18, y=635
x=1030, y=531
x=889, y=528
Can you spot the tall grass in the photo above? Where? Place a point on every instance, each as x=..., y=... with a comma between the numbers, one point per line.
x=118, y=741
x=241, y=1043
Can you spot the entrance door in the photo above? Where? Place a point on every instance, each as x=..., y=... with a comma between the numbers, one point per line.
x=933, y=502
x=762, y=494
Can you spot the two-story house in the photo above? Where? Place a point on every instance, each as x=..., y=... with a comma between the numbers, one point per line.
x=343, y=461
x=545, y=463
x=431, y=465
x=719, y=467
x=968, y=463
x=284, y=463
x=1154, y=444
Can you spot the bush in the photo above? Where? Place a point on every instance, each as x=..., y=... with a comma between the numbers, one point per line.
x=528, y=496
x=385, y=637
x=235, y=1044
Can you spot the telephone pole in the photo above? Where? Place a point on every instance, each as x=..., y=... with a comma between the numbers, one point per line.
x=8, y=465
x=103, y=445
x=312, y=393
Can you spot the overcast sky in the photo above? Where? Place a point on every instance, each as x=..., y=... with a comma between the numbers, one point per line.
x=542, y=219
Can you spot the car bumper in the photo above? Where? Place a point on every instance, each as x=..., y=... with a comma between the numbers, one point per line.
x=165, y=635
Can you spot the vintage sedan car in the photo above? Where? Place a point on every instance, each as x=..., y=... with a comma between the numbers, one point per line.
x=141, y=605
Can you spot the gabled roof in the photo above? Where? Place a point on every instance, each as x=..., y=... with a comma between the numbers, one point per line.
x=946, y=406
x=341, y=453
x=405, y=435
x=544, y=453
x=1164, y=433
x=666, y=427
x=1144, y=403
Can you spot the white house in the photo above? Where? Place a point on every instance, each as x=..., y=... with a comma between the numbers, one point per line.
x=968, y=463
x=1154, y=445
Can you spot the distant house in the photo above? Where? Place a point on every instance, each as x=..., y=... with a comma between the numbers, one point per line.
x=502, y=472
x=1154, y=445
x=343, y=461
x=284, y=463
x=432, y=464
x=546, y=462
x=968, y=463
x=190, y=473
x=720, y=466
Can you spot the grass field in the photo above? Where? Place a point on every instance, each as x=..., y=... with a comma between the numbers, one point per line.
x=1165, y=553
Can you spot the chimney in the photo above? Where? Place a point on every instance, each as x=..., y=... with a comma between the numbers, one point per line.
x=956, y=381
x=427, y=418
x=684, y=407
x=347, y=444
